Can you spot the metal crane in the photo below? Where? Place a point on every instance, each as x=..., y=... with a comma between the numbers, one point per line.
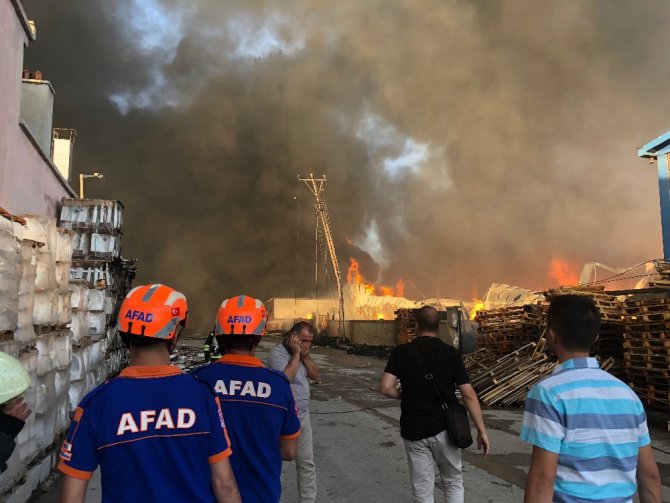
x=316, y=186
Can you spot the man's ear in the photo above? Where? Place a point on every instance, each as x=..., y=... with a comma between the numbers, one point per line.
x=551, y=335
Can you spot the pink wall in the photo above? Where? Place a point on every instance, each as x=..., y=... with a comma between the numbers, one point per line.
x=28, y=182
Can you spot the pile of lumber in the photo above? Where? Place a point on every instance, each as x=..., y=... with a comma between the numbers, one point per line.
x=506, y=329
x=663, y=270
x=647, y=350
x=610, y=341
x=506, y=381
x=406, y=325
x=607, y=304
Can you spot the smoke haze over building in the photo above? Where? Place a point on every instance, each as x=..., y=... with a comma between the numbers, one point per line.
x=465, y=142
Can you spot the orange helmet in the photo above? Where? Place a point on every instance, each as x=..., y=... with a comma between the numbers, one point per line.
x=153, y=311
x=241, y=315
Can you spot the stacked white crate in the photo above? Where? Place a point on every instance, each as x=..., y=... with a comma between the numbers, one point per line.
x=89, y=340
x=41, y=340
x=11, y=268
x=96, y=226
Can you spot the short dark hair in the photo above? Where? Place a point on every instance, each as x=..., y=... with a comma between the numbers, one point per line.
x=575, y=320
x=300, y=326
x=239, y=342
x=427, y=319
x=139, y=341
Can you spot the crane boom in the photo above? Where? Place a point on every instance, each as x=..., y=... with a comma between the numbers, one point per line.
x=316, y=186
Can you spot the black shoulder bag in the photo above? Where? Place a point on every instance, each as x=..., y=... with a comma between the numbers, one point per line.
x=455, y=415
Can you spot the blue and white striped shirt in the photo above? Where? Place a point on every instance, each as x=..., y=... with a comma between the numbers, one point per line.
x=595, y=423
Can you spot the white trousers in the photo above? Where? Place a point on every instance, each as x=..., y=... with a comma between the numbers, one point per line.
x=304, y=463
x=422, y=456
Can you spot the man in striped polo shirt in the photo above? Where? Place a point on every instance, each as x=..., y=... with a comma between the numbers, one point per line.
x=588, y=429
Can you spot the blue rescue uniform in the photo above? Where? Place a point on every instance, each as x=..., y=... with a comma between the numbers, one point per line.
x=259, y=407
x=154, y=431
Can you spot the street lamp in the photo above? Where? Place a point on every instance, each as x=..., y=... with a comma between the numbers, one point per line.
x=81, y=181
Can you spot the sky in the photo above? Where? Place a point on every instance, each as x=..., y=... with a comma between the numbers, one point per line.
x=464, y=142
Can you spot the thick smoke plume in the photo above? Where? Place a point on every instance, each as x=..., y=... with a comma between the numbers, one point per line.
x=465, y=142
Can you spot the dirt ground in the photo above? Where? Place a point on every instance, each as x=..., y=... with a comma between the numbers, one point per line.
x=359, y=453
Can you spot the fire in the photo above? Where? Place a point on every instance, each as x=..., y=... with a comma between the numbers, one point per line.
x=354, y=277
x=400, y=288
x=387, y=291
x=478, y=306
x=562, y=272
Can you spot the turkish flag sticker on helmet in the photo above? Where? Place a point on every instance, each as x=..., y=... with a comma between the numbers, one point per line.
x=176, y=311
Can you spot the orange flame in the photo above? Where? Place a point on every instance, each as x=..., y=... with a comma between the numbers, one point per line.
x=354, y=277
x=387, y=291
x=400, y=288
x=563, y=272
x=478, y=306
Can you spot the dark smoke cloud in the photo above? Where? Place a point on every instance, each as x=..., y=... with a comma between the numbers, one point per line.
x=526, y=116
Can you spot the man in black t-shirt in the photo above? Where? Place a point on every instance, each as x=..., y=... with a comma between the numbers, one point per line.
x=422, y=422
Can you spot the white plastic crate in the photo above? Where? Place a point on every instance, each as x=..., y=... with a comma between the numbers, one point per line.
x=97, y=323
x=64, y=310
x=79, y=299
x=42, y=229
x=45, y=308
x=46, y=271
x=11, y=269
x=63, y=250
x=96, y=300
x=105, y=245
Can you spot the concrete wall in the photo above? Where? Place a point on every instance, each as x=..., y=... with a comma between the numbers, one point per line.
x=290, y=309
x=29, y=182
x=370, y=332
x=384, y=332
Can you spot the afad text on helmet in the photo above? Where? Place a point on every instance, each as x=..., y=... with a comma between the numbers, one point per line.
x=245, y=388
x=139, y=316
x=239, y=319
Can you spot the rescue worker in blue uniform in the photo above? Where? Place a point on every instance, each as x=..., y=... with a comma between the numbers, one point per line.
x=157, y=434
x=257, y=402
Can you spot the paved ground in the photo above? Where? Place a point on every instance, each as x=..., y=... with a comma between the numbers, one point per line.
x=359, y=453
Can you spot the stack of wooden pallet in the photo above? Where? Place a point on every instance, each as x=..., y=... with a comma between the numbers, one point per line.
x=647, y=350
x=406, y=325
x=479, y=362
x=610, y=341
x=507, y=329
x=507, y=380
x=663, y=270
x=510, y=378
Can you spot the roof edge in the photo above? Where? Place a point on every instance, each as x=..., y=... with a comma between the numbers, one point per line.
x=29, y=134
x=656, y=146
x=23, y=18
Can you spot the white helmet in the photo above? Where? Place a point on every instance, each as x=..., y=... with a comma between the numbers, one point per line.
x=14, y=379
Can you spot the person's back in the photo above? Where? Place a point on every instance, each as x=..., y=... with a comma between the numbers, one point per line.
x=157, y=434
x=429, y=371
x=603, y=427
x=258, y=406
x=147, y=421
x=588, y=429
x=257, y=402
x=421, y=415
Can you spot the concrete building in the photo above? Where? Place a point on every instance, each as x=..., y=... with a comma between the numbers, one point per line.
x=30, y=182
x=284, y=312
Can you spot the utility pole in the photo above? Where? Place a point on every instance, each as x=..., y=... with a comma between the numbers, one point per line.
x=316, y=186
